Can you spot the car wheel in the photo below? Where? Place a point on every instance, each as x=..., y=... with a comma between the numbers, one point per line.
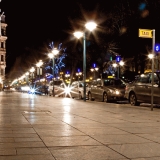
x=80, y=95
x=105, y=97
x=89, y=96
x=133, y=100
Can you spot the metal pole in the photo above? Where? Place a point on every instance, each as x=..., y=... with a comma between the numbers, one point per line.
x=152, y=91
x=84, y=66
x=39, y=74
x=118, y=71
x=53, y=76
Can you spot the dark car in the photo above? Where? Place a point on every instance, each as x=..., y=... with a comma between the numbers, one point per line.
x=109, y=89
x=139, y=91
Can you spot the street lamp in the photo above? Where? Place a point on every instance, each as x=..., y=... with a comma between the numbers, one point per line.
x=94, y=69
x=115, y=65
x=67, y=75
x=32, y=72
x=90, y=26
x=78, y=74
x=39, y=64
x=52, y=55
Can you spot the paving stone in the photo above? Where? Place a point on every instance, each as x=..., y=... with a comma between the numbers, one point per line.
x=86, y=153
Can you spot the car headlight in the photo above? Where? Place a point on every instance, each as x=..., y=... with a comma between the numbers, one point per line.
x=115, y=92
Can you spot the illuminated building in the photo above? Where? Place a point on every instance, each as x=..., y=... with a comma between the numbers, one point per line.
x=3, y=39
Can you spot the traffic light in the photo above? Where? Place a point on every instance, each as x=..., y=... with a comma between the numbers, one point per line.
x=118, y=58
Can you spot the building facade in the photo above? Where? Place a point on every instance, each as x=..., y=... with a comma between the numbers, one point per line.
x=3, y=39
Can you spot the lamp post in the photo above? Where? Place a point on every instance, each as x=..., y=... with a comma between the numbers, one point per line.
x=121, y=63
x=52, y=55
x=90, y=26
x=26, y=75
x=78, y=74
x=151, y=56
x=32, y=72
x=67, y=75
x=94, y=69
x=39, y=64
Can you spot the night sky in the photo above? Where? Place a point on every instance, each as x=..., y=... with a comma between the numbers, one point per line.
x=31, y=23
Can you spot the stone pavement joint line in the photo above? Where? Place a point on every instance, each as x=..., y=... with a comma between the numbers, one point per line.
x=34, y=127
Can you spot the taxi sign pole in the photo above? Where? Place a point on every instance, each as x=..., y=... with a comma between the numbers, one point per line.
x=152, y=91
x=146, y=33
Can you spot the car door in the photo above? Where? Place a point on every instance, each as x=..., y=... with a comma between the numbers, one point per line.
x=93, y=89
x=99, y=90
x=74, y=92
x=156, y=89
x=142, y=88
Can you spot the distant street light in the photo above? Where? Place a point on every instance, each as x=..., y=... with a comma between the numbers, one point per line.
x=94, y=69
x=39, y=64
x=150, y=56
x=117, y=65
x=90, y=26
x=52, y=55
x=78, y=74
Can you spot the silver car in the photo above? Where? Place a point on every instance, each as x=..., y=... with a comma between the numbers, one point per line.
x=107, y=89
x=77, y=89
x=57, y=83
x=139, y=91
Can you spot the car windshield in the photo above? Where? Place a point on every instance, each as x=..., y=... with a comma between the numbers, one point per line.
x=118, y=82
x=110, y=82
x=158, y=75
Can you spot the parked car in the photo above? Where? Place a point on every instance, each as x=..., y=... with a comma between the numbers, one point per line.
x=106, y=90
x=77, y=89
x=139, y=91
x=61, y=90
x=57, y=83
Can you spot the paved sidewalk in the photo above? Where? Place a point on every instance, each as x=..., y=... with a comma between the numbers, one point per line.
x=49, y=128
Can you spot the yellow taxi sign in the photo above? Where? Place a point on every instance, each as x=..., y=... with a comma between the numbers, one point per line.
x=110, y=76
x=145, y=33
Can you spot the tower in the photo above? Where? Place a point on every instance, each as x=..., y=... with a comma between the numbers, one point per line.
x=3, y=39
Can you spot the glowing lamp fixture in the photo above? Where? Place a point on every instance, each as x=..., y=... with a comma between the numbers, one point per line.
x=32, y=70
x=78, y=34
x=114, y=65
x=150, y=56
x=39, y=64
x=91, y=25
x=27, y=73
x=121, y=63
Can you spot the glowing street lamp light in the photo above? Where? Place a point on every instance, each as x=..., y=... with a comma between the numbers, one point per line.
x=150, y=56
x=90, y=26
x=52, y=55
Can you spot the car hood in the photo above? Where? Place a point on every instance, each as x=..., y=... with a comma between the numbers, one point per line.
x=116, y=87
